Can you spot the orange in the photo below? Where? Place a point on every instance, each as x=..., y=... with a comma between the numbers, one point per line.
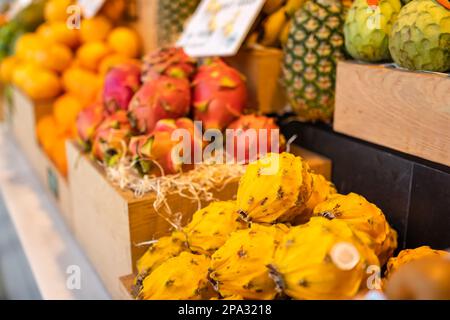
x=91, y=54
x=56, y=10
x=26, y=44
x=55, y=57
x=7, y=67
x=38, y=83
x=95, y=29
x=58, y=155
x=114, y=9
x=113, y=60
x=125, y=41
x=47, y=132
x=57, y=32
x=82, y=83
x=65, y=111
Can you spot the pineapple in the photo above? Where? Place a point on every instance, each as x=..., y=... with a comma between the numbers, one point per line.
x=274, y=189
x=315, y=44
x=322, y=259
x=159, y=252
x=180, y=278
x=172, y=15
x=365, y=218
x=238, y=268
x=211, y=226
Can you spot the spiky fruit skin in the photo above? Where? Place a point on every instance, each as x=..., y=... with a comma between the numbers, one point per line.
x=361, y=215
x=160, y=146
x=161, y=98
x=322, y=190
x=420, y=38
x=159, y=252
x=307, y=265
x=219, y=95
x=87, y=123
x=315, y=44
x=211, y=227
x=172, y=62
x=367, y=29
x=184, y=277
x=274, y=189
x=409, y=255
x=172, y=16
x=112, y=138
x=249, y=147
x=239, y=266
x=121, y=83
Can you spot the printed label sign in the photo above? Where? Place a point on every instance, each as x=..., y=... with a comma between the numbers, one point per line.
x=219, y=27
x=90, y=8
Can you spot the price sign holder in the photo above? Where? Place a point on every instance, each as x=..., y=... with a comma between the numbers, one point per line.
x=90, y=8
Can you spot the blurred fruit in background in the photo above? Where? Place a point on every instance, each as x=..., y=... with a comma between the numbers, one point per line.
x=95, y=29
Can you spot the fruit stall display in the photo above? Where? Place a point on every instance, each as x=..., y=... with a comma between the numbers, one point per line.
x=157, y=223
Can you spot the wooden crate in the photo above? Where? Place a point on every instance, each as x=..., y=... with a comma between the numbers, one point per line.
x=262, y=68
x=22, y=123
x=401, y=110
x=110, y=222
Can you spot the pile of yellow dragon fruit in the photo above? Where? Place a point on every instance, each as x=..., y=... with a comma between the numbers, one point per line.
x=288, y=234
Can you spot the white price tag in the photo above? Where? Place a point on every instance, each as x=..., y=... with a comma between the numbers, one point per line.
x=90, y=8
x=219, y=27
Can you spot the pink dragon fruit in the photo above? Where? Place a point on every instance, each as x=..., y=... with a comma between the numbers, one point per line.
x=256, y=144
x=161, y=98
x=112, y=138
x=87, y=122
x=159, y=147
x=171, y=62
x=219, y=95
x=121, y=83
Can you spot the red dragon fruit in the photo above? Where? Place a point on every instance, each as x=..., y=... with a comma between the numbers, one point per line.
x=121, y=83
x=171, y=62
x=219, y=95
x=87, y=122
x=112, y=138
x=161, y=98
x=248, y=145
x=159, y=147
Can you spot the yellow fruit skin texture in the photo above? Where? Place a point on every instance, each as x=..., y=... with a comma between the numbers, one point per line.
x=26, y=45
x=56, y=10
x=95, y=29
x=57, y=32
x=239, y=266
x=180, y=278
x=303, y=267
x=7, y=67
x=55, y=57
x=322, y=190
x=361, y=215
x=125, y=41
x=274, y=189
x=211, y=227
x=409, y=255
x=91, y=54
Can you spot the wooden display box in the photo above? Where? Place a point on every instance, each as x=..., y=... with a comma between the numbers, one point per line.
x=262, y=68
x=22, y=119
x=109, y=222
x=402, y=110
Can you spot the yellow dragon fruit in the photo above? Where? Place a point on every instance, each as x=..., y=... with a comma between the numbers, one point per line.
x=211, y=226
x=274, y=189
x=364, y=218
x=160, y=251
x=409, y=255
x=239, y=266
x=322, y=190
x=322, y=259
x=184, y=277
